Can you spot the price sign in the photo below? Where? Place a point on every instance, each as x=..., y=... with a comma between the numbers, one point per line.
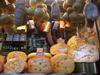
x=81, y=40
x=17, y=55
x=39, y=53
x=60, y=40
x=62, y=50
x=39, y=49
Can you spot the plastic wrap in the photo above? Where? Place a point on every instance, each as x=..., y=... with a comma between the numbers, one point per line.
x=16, y=37
x=55, y=11
x=84, y=52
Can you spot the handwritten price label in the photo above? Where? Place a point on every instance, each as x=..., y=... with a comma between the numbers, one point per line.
x=39, y=49
x=39, y=53
x=60, y=40
x=62, y=50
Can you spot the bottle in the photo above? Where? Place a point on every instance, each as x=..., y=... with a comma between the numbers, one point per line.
x=45, y=47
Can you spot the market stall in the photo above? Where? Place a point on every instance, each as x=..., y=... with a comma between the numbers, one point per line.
x=45, y=37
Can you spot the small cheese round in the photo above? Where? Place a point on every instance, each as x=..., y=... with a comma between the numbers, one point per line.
x=40, y=65
x=84, y=52
x=73, y=41
x=15, y=65
x=62, y=64
x=55, y=48
x=31, y=55
x=11, y=55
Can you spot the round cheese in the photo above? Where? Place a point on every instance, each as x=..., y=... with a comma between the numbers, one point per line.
x=15, y=65
x=73, y=41
x=31, y=55
x=11, y=55
x=55, y=48
x=39, y=65
x=2, y=58
x=62, y=64
x=84, y=52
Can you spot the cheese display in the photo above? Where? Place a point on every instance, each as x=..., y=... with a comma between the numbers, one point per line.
x=55, y=48
x=41, y=65
x=73, y=40
x=2, y=58
x=14, y=66
x=1, y=66
x=62, y=64
x=31, y=55
x=11, y=55
x=84, y=52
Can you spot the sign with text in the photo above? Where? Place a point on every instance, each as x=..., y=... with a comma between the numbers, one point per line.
x=39, y=49
x=62, y=50
x=60, y=40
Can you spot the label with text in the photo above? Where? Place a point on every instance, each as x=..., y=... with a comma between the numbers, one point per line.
x=60, y=40
x=81, y=40
x=39, y=49
x=62, y=50
x=39, y=53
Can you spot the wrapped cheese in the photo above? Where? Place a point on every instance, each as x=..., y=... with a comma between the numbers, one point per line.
x=39, y=65
x=11, y=55
x=62, y=64
x=73, y=40
x=55, y=48
x=14, y=66
x=31, y=55
x=84, y=52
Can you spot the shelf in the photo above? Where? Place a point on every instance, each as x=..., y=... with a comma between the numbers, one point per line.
x=15, y=41
x=50, y=74
x=12, y=50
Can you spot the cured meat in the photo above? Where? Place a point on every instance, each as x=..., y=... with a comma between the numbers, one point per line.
x=19, y=12
x=55, y=11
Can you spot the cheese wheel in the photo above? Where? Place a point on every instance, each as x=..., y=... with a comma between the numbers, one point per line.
x=1, y=66
x=55, y=48
x=31, y=55
x=15, y=65
x=39, y=65
x=2, y=58
x=73, y=41
x=62, y=64
x=96, y=43
x=11, y=55
x=84, y=52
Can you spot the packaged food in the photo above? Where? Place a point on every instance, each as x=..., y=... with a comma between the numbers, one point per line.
x=55, y=48
x=16, y=37
x=9, y=37
x=62, y=64
x=23, y=37
x=15, y=65
x=11, y=55
x=39, y=65
x=31, y=55
x=84, y=52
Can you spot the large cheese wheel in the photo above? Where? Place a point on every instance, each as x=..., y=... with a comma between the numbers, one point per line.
x=73, y=41
x=31, y=55
x=11, y=55
x=55, y=48
x=84, y=52
x=1, y=66
x=2, y=58
x=15, y=65
x=40, y=65
x=62, y=64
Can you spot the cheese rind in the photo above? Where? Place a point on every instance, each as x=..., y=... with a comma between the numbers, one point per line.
x=84, y=52
x=2, y=58
x=62, y=64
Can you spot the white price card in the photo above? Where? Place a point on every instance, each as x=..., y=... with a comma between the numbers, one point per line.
x=39, y=49
x=39, y=53
x=60, y=40
x=62, y=50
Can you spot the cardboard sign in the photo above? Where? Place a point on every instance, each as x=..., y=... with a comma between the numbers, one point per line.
x=60, y=40
x=39, y=53
x=62, y=50
x=39, y=49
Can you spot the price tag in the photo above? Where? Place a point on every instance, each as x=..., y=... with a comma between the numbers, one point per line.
x=81, y=40
x=39, y=49
x=60, y=40
x=39, y=53
x=17, y=55
x=62, y=50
